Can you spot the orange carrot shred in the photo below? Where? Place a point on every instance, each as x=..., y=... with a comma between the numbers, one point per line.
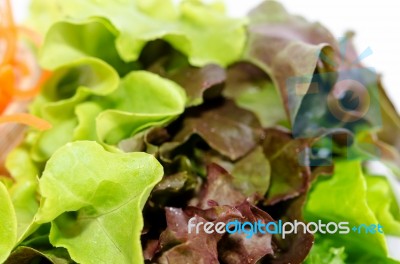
x=22, y=68
x=10, y=34
x=7, y=83
x=14, y=69
x=26, y=119
x=32, y=35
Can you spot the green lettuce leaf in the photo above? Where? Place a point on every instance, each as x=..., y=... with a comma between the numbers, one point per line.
x=143, y=100
x=84, y=100
x=69, y=86
x=200, y=31
x=324, y=253
x=343, y=198
x=382, y=201
x=86, y=114
x=8, y=227
x=94, y=198
x=69, y=42
x=23, y=191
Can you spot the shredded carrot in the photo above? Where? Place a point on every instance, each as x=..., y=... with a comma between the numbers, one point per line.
x=26, y=119
x=22, y=68
x=32, y=35
x=10, y=35
x=7, y=83
x=15, y=70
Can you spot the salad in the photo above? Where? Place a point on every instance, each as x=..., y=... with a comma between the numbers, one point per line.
x=151, y=123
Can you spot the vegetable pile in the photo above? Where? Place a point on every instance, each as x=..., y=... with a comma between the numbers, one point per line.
x=161, y=113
